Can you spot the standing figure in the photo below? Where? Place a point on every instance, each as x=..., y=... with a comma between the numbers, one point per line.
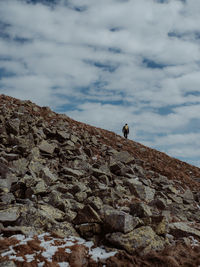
x=125, y=130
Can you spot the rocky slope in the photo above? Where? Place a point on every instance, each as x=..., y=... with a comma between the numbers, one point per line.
x=68, y=179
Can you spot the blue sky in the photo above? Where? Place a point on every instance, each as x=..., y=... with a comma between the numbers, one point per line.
x=107, y=63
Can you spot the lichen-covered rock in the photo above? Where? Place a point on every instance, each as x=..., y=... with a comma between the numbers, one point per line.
x=142, y=240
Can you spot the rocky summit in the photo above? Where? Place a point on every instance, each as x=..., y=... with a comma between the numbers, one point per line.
x=76, y=195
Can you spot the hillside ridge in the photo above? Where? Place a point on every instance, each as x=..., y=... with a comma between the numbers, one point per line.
x=68, y=190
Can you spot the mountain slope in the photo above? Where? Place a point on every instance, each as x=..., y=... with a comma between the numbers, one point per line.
x=71, y=179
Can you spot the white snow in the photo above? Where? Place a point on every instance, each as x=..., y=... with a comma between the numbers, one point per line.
x=30, y=257
x=16, y=258
x=63, y=264
x=51, y=248
x=100, y=253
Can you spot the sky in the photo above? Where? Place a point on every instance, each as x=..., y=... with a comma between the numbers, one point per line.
x=107, y=63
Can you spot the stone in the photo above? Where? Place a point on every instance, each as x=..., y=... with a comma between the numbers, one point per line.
x=48, y=176
x=143, y=240
x=98, y=172
x=140, y=210
x=7, y=198
x=72, y=172
x=87, y=215
x=5, y=185
x=49, y=211
x=89, y=229
x=9, y=214
x=143, y=192
x=160, y=225
x=63, y=135
x=12, y=126
x=20, y=166
x=119, y=221
x=115, y=167
x=187, y=196
x=182, y=229
x=95, y=202
x=47, y=147
x=124, y=157
x=175, y=198
x=40, y=187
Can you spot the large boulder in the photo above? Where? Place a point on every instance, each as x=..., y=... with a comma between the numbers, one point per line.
x=119, y=221
x=142, y=240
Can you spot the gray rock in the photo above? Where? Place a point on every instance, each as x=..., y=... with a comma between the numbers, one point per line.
x=75, y=173
x=47, y=147
x=5, y=185
x=182, y=229
x=48, y=176
x=12, y=126
x=140, y=210
x=10, y=214
x=7, y=198
x=123, y=157
x=119, y=221
x=87, y=215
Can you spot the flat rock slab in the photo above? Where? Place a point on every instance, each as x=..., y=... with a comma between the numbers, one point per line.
x=181, y=229
x=10, y=214
x=46, y=147
x=72, y=172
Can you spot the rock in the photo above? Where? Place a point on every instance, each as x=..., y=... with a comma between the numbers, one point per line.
x=7, y=198
x=47, y=147
x=63, y=135
x=187, y=196
x=40, y=187
x=75, y=173
x=142, y=240
x=145, y=193
x=5, y=185
x=116, y=167
x=140, y=210
x=49, y=211
x=20, y=166
x=87, y=215
x=175, y=198
x=9, y=214
x=89, y=229
x=95, y=202
x=48, y=176
x=159, y=203
x=12, y=126
x=182, y=229
x=98, y=172
x=119, y=221
x=160, y=225
x=123, y=157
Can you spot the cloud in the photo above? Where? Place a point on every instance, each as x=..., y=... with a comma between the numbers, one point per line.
x=108, y=62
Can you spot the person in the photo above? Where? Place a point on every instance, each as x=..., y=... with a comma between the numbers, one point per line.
x=125, y=130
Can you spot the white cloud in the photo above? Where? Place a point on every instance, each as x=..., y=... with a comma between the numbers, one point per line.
x=114, y=62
